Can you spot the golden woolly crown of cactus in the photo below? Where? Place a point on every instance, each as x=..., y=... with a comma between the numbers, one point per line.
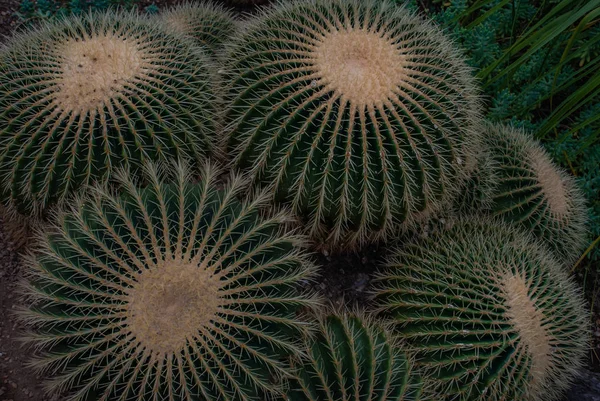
x=205, y=22
x=531, y=191
x=174, y=291
x=489, y=312
x=352, y=358
x=80, y=96
x=357, y=112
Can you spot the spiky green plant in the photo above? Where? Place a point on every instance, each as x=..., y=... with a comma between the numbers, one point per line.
x=80, y=96
x=357, y=112
x=205, y=22
x=176, y=291
x=354, y=358
x=533, y=192
x=489, y=312
x=476, y=190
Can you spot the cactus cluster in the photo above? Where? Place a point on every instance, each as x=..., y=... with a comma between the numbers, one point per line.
x=358, y=113
x=176, y=290
x=157, y=275
x=491, y=315
x=84, y=95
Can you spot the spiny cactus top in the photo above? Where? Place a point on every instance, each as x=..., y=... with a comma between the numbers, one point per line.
x=489, y=312
x=177, y=291
x=83, y=95
x=354, y=359
x=207, y=23
x=357, y=112
x=534, y=192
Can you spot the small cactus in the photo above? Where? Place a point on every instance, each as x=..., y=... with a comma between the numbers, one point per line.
x=489, y=312
x=206, y=23
x=357, y=112
x=80, y=96
x=175, y=291
x=533, y=192
x=354, y=359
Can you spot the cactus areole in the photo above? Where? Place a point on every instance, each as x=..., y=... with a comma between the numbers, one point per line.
x=358, y=113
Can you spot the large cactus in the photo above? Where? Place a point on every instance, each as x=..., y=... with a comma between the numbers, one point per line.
x=489, y=312
x=357, y=112
x=533, y=192
x=205, y=22
x=352, y=358
x=83, y=95
x=176, y=291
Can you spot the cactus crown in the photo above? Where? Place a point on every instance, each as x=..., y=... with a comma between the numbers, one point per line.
x=172, y=291
x=358, y=113
x=491, y=315
x=207, y=23
x=354, y=358
x=81, y=96
x=535, y=193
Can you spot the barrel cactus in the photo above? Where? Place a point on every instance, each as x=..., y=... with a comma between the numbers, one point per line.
x=534, y=192
x=356, y=112
x=206, y=23
x=173, y=291
x=352, y=358
x=82, y=95
x=489, y=312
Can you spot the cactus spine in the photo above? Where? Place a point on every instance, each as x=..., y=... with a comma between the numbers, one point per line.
x=490, y=314
x=358, y=113
x=81, y=96
x=175, y=291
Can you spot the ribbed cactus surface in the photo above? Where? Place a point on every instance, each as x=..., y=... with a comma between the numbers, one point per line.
x=352, y=358
x=205, y=22
x=175, y=291
x=356, y=112
x=82, y=95
x=490, y=314
x=535, y=193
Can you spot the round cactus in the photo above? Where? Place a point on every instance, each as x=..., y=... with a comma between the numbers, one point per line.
x=207, y=23
x=83, y=95
x=357, y=112
x=176, y=291
x=535, y=193
x=352, y=358
x=490, y=315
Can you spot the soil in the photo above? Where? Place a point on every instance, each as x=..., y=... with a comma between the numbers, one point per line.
x=343, y=279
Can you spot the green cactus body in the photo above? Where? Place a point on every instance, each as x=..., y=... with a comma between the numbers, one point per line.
x=206, y=23
x=176, y=291
x=83, y=95
x=535, y=193
x=490, y=314
x=477, y=189
x=358, y=113
x=352, y=358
